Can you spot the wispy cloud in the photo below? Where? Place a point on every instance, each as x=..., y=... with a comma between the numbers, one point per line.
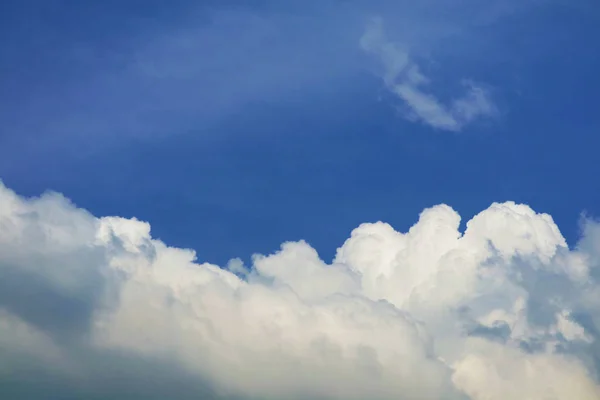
x=403, y=77
x=162, y=79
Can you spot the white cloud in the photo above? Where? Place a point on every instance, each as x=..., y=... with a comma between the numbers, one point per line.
x=403, y=77
x=503, y=310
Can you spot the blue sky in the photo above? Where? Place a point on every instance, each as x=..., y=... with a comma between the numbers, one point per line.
x=233, y=127
x=280, y=132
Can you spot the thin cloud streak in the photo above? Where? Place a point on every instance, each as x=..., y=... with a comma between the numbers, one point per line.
x=403, y=77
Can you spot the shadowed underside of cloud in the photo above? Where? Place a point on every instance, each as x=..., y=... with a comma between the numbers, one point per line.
x=96, y=308
x=403, y=77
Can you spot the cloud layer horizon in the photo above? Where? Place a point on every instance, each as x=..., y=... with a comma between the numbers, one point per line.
x=503, y=310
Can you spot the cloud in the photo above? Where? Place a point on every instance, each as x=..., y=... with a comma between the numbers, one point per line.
x=403, y=77
x=170, y=76
x=97, y=308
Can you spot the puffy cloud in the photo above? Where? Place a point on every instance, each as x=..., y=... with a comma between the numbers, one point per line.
x=96, y=307
x=403, y=77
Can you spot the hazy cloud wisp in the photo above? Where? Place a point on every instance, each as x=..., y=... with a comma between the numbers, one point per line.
x=403, y=77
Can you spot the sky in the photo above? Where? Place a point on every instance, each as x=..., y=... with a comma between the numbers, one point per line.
x=285, y=199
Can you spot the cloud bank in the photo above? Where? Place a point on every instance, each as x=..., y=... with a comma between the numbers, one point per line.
x=403, y=78
x=96, y=307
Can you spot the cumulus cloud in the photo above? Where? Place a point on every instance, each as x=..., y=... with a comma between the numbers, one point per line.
x=96, y=308
x=403, y=77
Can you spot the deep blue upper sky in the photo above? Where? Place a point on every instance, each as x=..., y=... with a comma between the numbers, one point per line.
x=233, y=128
